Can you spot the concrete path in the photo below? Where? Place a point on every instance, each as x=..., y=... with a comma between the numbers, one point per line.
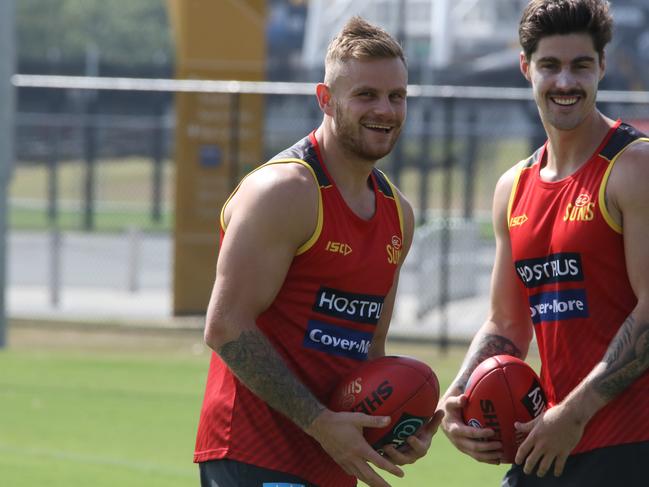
x=125, y=279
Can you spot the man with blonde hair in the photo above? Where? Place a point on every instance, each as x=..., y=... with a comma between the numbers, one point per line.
x=305, y=285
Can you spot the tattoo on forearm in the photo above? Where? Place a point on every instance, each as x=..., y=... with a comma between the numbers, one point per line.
x=627, y=358
x=621, y=342
x=489, y=346
x=257, y=364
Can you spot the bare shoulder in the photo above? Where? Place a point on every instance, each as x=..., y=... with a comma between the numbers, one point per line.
x=503, y=190
x=284, y=195
x=506, y=180
x=635, y=157
x=408, y=214
x=285, y=180
x=627, y=184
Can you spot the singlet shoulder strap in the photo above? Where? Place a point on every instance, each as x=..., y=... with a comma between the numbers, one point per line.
x=520, y=167
x=388, y=189
x=304, y=151
x=623, y=136
x=383, y=183
x=533, y=159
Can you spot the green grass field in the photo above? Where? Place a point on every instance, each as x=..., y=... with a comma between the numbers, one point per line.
x=108, y=408
x=124, y=189
x=123, y=195
x=105, y=220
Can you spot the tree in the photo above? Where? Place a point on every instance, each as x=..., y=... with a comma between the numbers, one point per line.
x=130, y=36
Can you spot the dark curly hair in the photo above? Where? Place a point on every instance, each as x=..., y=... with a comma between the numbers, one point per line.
x=543, y=18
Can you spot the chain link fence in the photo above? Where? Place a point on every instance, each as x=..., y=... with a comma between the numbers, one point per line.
x=91, y=200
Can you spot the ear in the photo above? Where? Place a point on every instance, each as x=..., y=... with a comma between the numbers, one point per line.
x=602, y=66
x=323, y=93
x=524, y=66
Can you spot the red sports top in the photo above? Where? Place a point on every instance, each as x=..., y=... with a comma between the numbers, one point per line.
x=569, y=255
x=321, y=322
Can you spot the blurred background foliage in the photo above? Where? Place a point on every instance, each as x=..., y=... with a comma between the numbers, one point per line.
x=118, y=37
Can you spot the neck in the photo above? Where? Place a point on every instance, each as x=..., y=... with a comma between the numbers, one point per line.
x=350, y=172
x=568, y=150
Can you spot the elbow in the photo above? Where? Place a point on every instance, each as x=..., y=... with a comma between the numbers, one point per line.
x=524, y=331
x=517, y=329
x=520, y=332
x=217, y=332
x=224, y=322
x=211, y=337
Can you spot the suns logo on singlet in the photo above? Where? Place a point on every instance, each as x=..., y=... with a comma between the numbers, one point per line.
x=394, y=250
x=582, y=210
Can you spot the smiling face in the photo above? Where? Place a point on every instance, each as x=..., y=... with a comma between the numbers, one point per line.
x=368, y=106
x=564, y=71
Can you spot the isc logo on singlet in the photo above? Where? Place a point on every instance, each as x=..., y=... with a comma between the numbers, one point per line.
x=338, y=248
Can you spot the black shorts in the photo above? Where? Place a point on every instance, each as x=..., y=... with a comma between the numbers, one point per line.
x=621, y=465
x=230, y=473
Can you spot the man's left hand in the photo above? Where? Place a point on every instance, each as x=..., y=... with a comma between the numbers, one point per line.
x=550, y=438
x=416, y=445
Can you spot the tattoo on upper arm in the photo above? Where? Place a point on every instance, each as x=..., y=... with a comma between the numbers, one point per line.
x=627, y=358
x=489, y=346
x=259, y=366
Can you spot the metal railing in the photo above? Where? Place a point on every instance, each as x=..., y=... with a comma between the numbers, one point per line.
x=457, y=142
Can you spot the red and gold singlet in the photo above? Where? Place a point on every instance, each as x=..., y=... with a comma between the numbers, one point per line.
x=569, y=256
x=321, y=322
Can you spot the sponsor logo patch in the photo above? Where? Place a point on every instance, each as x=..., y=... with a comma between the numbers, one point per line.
x=534, y=401
x=335, y=340
x=361, y=308
x=563, y=267
x=558, y=305
x=407, y=425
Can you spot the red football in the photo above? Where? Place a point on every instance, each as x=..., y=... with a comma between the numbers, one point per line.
x=403, y=388
x=500, y=391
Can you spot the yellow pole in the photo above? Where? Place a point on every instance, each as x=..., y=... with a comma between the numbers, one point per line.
x=216, y=134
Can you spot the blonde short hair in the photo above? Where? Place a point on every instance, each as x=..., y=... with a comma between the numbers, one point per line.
x=360, y=40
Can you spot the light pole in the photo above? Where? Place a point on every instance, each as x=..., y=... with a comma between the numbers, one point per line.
x=7, y=104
